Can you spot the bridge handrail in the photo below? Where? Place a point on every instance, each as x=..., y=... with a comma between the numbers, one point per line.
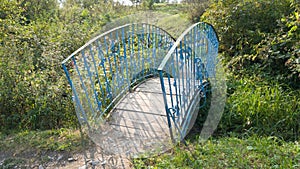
x=179, y=39
x=189, y=63
x=106, y=33
x=107, y=66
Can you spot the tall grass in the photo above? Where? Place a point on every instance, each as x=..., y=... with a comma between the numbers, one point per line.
x=264, y=108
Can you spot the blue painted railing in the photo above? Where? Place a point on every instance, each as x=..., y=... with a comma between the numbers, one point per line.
x=190, y=65
x=108, y=66
x=105, y=68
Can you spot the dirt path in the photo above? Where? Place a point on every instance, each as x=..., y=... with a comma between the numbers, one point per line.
x=91, y=158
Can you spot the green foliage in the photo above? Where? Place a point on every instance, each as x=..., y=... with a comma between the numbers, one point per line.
x=148, y=4
x=169, y=8
x=12, y=163
x=35, y=36
x=259, y=107
x=32, y=86
x=229, y=152
x=259, y=45
x=259, y=41
x=195, y=9
x=259, y=36
x=35, y=9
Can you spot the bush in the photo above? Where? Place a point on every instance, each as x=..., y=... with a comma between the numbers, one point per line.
x=34, y=93
x=32, y=83
x=259, y=44
x=148, y=4
x=195, y=9
x=260, y=36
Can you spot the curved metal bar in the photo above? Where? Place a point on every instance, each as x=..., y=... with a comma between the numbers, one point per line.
x=177, y=43
x=92, y=41
x=106, y=33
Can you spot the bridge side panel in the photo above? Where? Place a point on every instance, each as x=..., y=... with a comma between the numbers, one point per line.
x=108, y=66
x=188, y=66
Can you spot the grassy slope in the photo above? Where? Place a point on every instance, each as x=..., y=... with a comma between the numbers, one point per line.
x=53, y=140
x=230, y=152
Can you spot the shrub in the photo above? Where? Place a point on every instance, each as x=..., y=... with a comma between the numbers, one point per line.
x=195, y=9
x=34, y=93
x=148, y=4
x=260, y=36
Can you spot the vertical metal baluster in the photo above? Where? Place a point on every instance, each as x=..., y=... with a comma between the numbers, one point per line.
x=179, y=84
x=116, y=60
x=154, y=36
x=125, y=58
x=143, y=44
x=129, y=56
x=132, y=55
x=120, y=63
x=138, y=52
x=83, y=85
x=195, y=42
x=170, y=84
x=77, y=100
x=182, y=77
x=175, y=84
x=111, y=65
x=101, y=58
x=158, y=47
x=107, y=81
x=166, y=104
x=188, y=66
x=89, y=74
x=148, y=45
x=97, y=78
x=200, y=61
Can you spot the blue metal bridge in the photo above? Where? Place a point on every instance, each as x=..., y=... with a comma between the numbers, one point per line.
x=137, y=88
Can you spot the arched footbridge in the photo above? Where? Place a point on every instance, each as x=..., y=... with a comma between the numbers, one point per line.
x=137, y=89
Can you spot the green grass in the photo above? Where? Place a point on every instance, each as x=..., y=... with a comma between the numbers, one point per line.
x=170, y=8
x=229, y=152
x=53, y=140
x=259, y=129
x=222, y=152
x=167, y=23
x=262, y=107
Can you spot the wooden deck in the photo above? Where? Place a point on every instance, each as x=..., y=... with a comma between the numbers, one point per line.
x=141, y=113
x=137, y=124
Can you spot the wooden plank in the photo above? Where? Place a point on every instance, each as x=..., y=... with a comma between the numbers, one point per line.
x=144, y=102
x=134, y=124
x=138, y=122
x=141, y=117
x=154, y=86
x=142, y=113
